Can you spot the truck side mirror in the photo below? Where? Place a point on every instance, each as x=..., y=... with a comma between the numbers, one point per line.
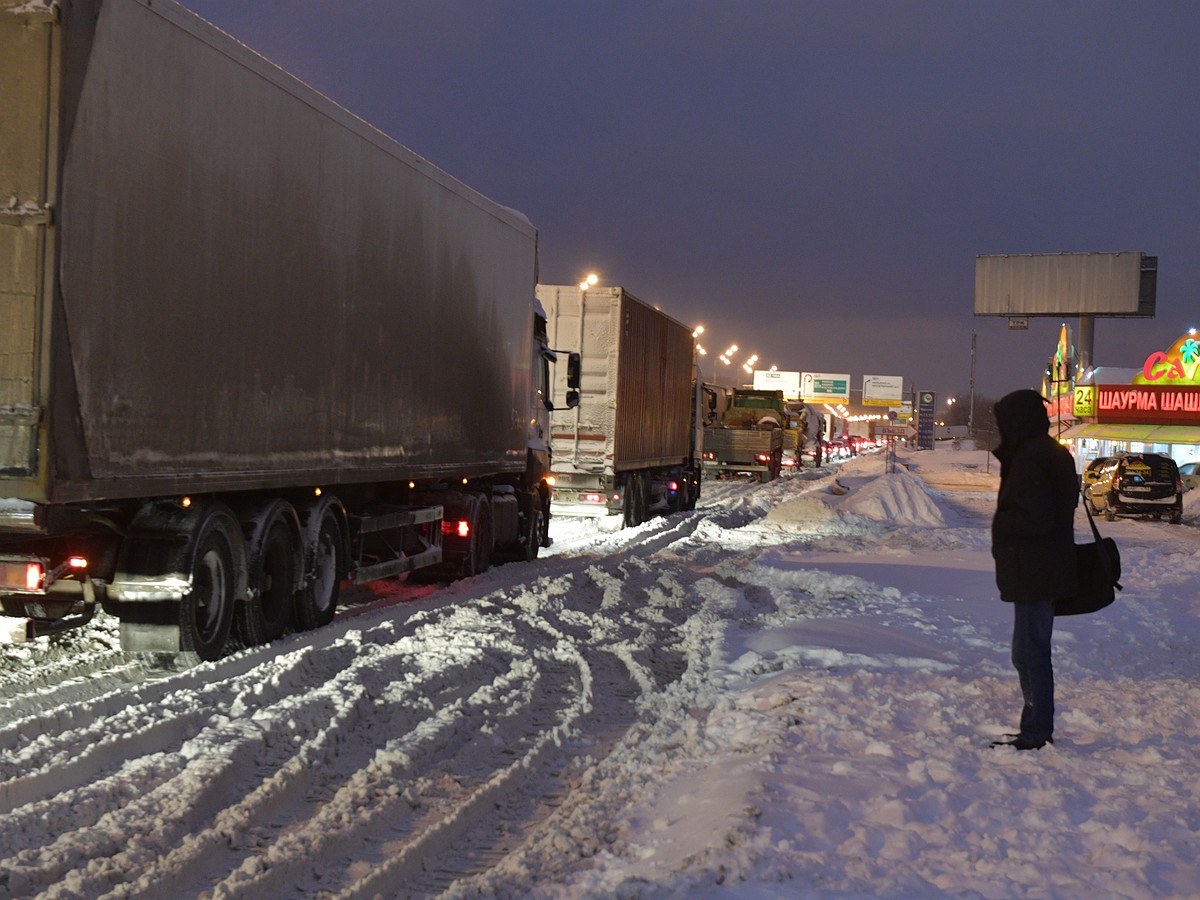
x=572, y=399
x=574, y=376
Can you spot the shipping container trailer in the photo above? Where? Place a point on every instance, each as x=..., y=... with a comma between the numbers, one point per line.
x=630, y=448
x=252, y=345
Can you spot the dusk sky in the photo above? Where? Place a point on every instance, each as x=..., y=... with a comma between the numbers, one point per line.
x=810, y=180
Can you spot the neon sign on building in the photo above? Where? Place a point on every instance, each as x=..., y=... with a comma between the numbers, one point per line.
x=1178, y=365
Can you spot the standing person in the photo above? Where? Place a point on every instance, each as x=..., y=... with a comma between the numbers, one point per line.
x=1033, y=542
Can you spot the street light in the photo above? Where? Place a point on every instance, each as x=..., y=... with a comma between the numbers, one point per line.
x=727, y=359
x=700, y=352
x=590, y=281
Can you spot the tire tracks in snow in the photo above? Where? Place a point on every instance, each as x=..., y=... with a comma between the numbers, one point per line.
x=407, y=748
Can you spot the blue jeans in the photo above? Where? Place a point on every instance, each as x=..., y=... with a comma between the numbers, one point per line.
x=1033, y=625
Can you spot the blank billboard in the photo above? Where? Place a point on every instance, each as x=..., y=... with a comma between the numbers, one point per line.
x=1066, y=284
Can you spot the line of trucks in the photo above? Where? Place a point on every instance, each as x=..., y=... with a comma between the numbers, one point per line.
x=254, y=349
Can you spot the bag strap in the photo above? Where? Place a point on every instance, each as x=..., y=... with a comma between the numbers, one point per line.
x=1087, y=508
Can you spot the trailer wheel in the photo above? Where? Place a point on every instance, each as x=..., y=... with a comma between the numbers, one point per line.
x=533, y=540
x=206, y=611
x=317, y=602
x=681, y=494
x=635, y=500
x=479, y=554
x=267, y=613
x=544, y=524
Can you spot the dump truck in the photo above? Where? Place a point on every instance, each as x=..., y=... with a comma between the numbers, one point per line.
x=749, y=440
x=253, y=347
x=630, y=448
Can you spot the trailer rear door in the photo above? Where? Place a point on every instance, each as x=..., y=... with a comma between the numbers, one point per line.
x=27, y=46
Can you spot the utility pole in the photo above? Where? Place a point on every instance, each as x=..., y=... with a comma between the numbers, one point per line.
x=971, y=409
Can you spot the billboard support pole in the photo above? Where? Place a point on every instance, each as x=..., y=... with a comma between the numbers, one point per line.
x=1087, y=340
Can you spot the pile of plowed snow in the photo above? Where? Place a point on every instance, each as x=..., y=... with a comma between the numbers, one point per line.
x=896, y=498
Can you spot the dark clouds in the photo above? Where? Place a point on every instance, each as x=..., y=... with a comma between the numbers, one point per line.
x=810, y=180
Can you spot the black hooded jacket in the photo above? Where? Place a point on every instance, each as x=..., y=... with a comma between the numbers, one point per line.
x=1033, y=534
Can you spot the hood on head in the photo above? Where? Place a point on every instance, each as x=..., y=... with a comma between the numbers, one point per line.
x=1020, y=416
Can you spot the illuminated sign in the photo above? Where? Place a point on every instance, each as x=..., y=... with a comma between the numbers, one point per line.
x=788, y=382
x=1060, y=364
x=1084, y=400
x=882, y=390
x=821, y=387
x=1148, y=404
x=1179, y=364
x=925, y=401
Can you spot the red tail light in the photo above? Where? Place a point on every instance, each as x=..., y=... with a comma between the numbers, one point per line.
x=673, y=486
x=461, y=527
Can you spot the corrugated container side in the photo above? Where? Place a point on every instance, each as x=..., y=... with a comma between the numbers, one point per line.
x=254, y=287
x=654, y=379
x=635, y=407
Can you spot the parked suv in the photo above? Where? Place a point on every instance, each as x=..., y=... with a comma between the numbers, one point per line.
x=1136, y=484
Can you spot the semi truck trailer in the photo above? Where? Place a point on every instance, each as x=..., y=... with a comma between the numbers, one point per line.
x=630, y=448
x=252, y=346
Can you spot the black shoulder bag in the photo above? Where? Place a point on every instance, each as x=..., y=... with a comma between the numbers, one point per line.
x=1099, y=567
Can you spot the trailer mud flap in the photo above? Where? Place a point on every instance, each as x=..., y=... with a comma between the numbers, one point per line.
x=150, y=627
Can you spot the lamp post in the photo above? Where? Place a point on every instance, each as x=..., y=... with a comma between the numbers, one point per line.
x=590, y=280
x=727, y=358
x=748, y=365
x=698, y=351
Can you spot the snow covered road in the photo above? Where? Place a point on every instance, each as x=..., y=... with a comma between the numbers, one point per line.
x=788, y=692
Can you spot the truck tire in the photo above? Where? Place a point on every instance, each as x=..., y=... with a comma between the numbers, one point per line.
x=317, y=602
x=682, y=493
x=267, y=612
x=533, y=540
x=479, y=556
x=544, y=533
x=635, y=500
x=206, y=611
